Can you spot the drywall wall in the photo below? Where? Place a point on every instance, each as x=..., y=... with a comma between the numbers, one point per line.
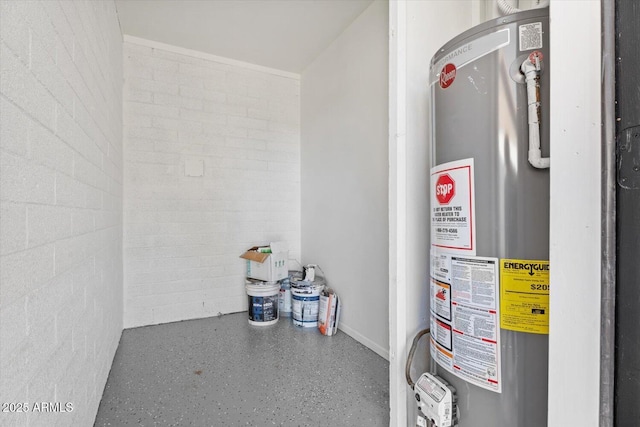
x=61, y=207
x=419, y=29
x=345, y=171
x=430, y=25
x=212, y=167
x=575, y=225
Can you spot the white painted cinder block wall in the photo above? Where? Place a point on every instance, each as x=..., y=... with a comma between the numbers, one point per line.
x=345, y=226
x=183, y=235
x=61, y=204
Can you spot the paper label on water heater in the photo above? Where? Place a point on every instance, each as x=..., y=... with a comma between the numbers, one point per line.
x=465, y=319
x=524, y=295
x=453, y=207
x=530, y=36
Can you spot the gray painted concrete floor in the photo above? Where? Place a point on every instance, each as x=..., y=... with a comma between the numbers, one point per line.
x=221, y=371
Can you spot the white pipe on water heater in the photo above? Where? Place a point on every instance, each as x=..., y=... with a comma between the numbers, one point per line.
x=531, y=69
x=506, y=8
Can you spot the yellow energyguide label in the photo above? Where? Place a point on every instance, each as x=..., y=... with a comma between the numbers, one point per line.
x=524, y=295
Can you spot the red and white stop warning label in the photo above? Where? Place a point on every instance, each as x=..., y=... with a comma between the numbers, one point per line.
x=452, y=207
x=445, y=189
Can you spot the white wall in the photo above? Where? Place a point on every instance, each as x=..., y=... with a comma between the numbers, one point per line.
x=575, y=247
x=61, y=204
x=345, y=170
x=420, y=29
x=183, y=235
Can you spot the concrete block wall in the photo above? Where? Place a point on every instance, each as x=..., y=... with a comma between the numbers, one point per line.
x=60, y=207
x=183, y=234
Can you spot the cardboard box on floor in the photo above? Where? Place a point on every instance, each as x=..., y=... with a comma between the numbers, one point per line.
x=267, y=266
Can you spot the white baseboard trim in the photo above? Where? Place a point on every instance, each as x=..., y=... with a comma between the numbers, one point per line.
x=382, y=352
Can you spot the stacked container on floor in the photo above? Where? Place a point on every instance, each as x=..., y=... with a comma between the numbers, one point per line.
x=266, y=266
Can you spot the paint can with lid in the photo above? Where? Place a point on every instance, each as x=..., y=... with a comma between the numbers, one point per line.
x=305, y=302
x=263, y=302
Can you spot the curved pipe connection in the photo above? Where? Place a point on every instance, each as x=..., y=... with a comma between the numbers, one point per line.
x=531, y=68
x=506, y=8
x=407, y=367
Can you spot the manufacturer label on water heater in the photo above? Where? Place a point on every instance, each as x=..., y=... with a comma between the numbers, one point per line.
x=530, y=36
x=465, y=320
x=465, y=325
x=452, y=207
x=447, y=75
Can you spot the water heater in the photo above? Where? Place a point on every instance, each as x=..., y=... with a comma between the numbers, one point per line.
x=489, y=177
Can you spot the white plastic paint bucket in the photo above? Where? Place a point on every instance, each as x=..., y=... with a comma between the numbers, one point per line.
x=305, y=301
x=263, y=302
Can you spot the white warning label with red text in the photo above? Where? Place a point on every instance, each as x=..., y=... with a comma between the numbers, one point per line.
x=453, y=207
x=465, y=320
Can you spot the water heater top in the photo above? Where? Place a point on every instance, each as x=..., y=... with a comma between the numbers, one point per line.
x=472, y=32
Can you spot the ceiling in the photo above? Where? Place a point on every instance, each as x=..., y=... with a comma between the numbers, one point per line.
x=283, y=34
